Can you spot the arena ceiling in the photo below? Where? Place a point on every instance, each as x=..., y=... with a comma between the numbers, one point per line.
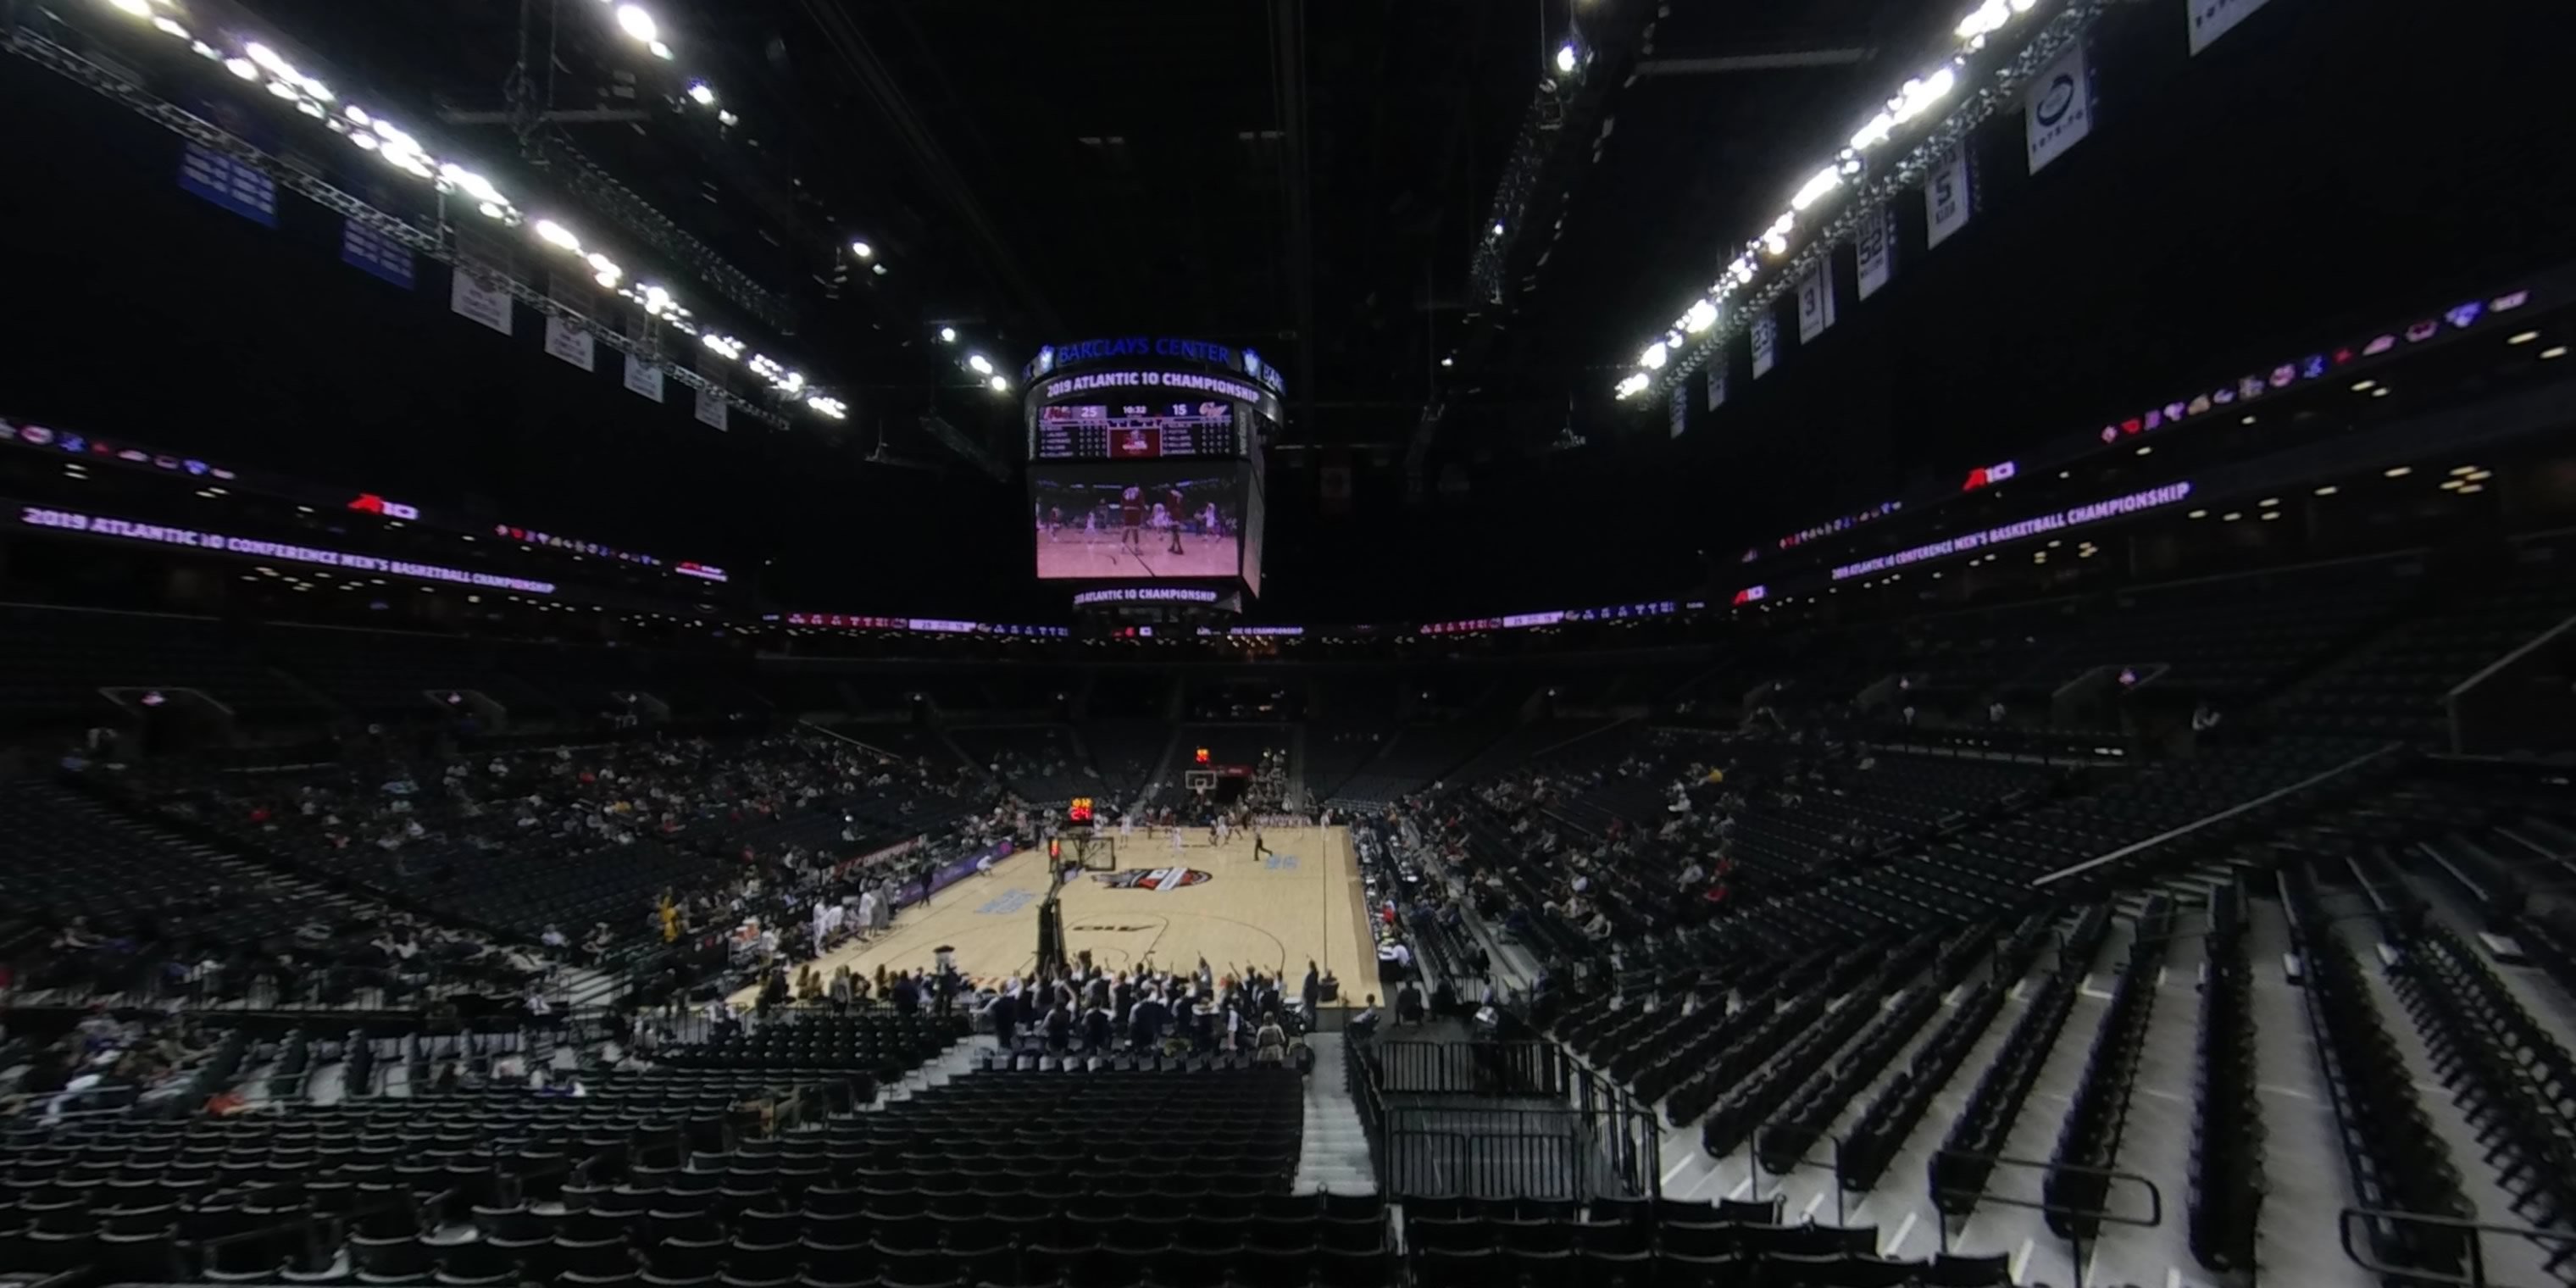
x=1307, y=178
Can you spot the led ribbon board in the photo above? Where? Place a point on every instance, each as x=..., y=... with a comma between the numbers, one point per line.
x=162, y=534
x=2097, y=512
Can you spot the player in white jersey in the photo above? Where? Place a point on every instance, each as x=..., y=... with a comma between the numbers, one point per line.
x=1176, y=838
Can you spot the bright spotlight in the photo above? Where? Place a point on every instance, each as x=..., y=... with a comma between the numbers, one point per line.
x=270, y=59
x=139, y=8
x=1448, y=362
x=1567, y=56
x=557, y=234
x=1498, y=228
x=948, y=335
x=863, y=250
x=979, y=364
x=701, y=94
x=660, y=50
x=632, y=19
x=242, y=67
x=1000, y=385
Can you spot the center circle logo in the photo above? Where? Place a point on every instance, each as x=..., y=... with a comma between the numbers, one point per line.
x=1157, y=879
x=2061, y=96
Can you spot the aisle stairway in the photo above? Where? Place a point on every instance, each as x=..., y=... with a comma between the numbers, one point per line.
x=1335, y=1157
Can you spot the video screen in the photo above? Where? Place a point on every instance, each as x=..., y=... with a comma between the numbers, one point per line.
x=1138, y=522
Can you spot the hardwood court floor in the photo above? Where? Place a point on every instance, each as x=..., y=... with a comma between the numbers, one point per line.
x=1303, y=901
x=1102, y=555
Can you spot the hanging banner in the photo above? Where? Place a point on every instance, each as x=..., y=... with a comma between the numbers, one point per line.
x=237, y=186
x=1680, y=407
x=1946, y=200
x=571, y=341
x=644, y=377
x=1334, y=480
x=487, y=303
x=1766, y=343
x=375, y=254
x=1816, y=301
x=1874, y=241
x=2211, y=19
x=712, y=409
x=1717, y=380
x=2058, y=110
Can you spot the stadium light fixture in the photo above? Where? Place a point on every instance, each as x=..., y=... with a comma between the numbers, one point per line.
x=2522, y=337
x=1448, y=362
x=2555, y=351
x=1498, y=228
x=139, y=8
x=863, y=250
x=727, y=119
x=701, y=93
x=1568, y=58
x=1000, y=384
x=2328, y=490
x=634, y=21
x=242, y=67
x=2397, y=471
x=979, y=364
x=1918, y=95
x=556, y=234
x=660, y=50
x=948, y=335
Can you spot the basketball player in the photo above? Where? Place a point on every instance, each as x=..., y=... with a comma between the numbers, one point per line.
x=1208, y=525
x=1178, y=508
x=1055, y=522
x=1259, y=850
x=1131, y=517
x=1176, y=839
x=1221, y=829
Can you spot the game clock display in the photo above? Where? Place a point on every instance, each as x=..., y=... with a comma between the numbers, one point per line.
x=1136, y=432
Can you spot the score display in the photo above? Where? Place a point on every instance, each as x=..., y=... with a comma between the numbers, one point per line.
x=1135, y=432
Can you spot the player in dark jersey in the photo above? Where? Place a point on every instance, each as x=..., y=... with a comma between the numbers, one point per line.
x=1131, y=519
x=1176, y=508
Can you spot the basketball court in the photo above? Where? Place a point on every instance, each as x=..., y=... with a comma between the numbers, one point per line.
x=1303, y=900
x=1073, y=553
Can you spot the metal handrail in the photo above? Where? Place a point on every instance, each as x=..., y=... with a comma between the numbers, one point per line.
x=2352, y=1218
x=2075, y=1244
x=1836, y=1163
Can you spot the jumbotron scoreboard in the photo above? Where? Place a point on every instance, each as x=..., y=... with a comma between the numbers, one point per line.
x=1145, y=471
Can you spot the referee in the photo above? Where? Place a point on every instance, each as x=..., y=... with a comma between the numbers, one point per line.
x=1259, y=850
